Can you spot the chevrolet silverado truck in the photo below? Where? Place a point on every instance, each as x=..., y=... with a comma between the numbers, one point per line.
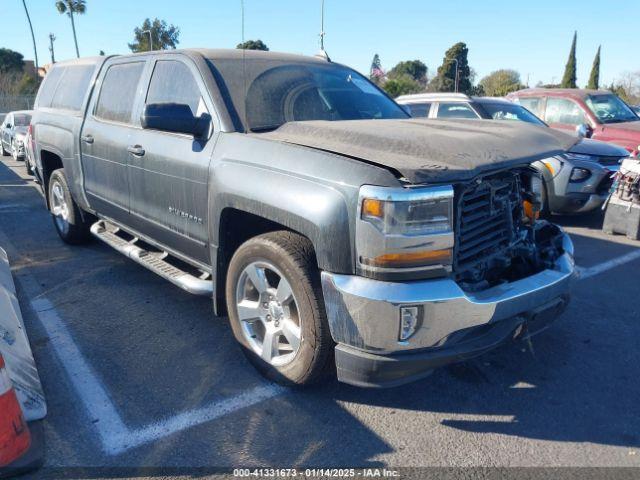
x=331, y=227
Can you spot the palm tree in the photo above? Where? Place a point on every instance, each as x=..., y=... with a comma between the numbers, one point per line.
x=70, y=7
x=33, y=38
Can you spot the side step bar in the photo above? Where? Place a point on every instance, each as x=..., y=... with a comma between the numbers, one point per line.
x=154, y=261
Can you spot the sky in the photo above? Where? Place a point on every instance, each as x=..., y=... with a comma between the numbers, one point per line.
x=531, y=37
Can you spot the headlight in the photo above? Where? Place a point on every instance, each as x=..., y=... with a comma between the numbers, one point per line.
x=579, y=175
x=404, y=230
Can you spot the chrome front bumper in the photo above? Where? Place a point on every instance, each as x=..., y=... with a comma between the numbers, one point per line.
x=364, y=314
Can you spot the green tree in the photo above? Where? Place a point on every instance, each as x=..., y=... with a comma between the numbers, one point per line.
x=10, y=61
x=594, y=77
x=501, y=82
x=27, y=85
x=376, y=73
x=569, y=77
x=71, y=8
x=446, y=77
x=414, y=68
x=402, y=85
x=163, y=36
x=253, y=45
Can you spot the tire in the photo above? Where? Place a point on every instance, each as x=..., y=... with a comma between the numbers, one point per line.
x=2, y=150
x=72, y=226
x=290, y=257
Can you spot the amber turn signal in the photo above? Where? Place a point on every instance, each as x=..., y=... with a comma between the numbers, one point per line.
x=413, y=259
x=372, y=208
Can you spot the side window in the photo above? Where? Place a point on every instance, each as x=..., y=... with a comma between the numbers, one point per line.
x=420, y=110
x=48, y=87
x=118, y=92
x=73, y=87
x=172, y=82
x=455, y=110
x=533, y=104
x=563, y=111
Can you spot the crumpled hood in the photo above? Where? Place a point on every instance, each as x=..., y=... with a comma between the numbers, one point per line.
x=430, y=150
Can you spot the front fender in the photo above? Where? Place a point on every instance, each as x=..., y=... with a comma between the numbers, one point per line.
x=318, y=211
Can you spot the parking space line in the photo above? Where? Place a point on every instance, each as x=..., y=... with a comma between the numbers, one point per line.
x=90, y=390
x=584, y=273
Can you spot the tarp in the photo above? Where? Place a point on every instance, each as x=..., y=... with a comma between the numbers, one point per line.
x=15, y=348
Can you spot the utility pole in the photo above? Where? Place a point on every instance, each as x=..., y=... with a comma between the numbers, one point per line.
x=52, y=38
x=150, y=39
x=456, y=80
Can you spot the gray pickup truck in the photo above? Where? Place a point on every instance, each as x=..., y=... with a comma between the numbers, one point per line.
x=331, y=227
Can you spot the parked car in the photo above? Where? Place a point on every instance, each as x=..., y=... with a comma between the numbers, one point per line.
x=596, y=114
x=574, y=182
x=636, y=109
x=29, y=163
x=327, y=223
x=12, y=133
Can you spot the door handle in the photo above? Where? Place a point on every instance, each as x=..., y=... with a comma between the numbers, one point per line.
x=136, y=150
x=87, y=138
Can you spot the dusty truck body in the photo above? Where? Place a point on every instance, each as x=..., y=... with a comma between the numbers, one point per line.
x=330, y=226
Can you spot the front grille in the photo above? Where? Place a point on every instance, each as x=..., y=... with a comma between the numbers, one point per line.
x=487, y=217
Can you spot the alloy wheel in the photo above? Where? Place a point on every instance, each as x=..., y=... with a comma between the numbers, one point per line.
x=268, y=313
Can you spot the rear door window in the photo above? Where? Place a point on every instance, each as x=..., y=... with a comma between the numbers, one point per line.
x=564, y=112
x=118, y=92
x=420, y=110
x=533, y=104
x=455, y=110
x=172, y=82
x=48, y=87
x=73, y=87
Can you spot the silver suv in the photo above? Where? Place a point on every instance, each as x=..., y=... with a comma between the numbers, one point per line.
x=577, y=181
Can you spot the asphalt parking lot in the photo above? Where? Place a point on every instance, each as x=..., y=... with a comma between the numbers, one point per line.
x=139, y=373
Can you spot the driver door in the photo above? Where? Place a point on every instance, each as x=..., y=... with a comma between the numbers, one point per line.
x=168, y=172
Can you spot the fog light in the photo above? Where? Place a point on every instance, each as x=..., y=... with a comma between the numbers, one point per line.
x=579, y=174
x=409, y=319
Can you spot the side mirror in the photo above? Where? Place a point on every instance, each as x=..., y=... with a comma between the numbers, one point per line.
x=583, y=130
x=174, y=117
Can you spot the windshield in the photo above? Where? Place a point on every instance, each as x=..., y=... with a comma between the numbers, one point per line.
x=505, y=111
x=22, y=120
x=281, y=90
x=610, y=109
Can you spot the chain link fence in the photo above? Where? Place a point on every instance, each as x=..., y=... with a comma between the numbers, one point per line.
x=9, y=103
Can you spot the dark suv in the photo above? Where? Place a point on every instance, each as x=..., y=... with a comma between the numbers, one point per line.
x=599, y=114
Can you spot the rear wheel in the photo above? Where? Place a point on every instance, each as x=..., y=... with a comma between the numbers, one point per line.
x=71, y=225
x=276, y=308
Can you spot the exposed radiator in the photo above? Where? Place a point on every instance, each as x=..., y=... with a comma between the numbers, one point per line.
x=488, y=217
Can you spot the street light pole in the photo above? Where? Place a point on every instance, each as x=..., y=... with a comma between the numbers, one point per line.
x=52, y=38
x=150, y=39
x=456, y=80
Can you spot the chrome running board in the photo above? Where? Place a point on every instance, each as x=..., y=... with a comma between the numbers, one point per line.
x=157, y=262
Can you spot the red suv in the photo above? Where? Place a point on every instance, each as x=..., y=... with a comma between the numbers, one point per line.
x=593, y=113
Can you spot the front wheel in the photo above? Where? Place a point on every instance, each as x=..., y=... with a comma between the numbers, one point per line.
x=67, y=217
x=276, y=309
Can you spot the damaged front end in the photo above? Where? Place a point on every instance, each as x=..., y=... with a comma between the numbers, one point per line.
x=498, y=236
